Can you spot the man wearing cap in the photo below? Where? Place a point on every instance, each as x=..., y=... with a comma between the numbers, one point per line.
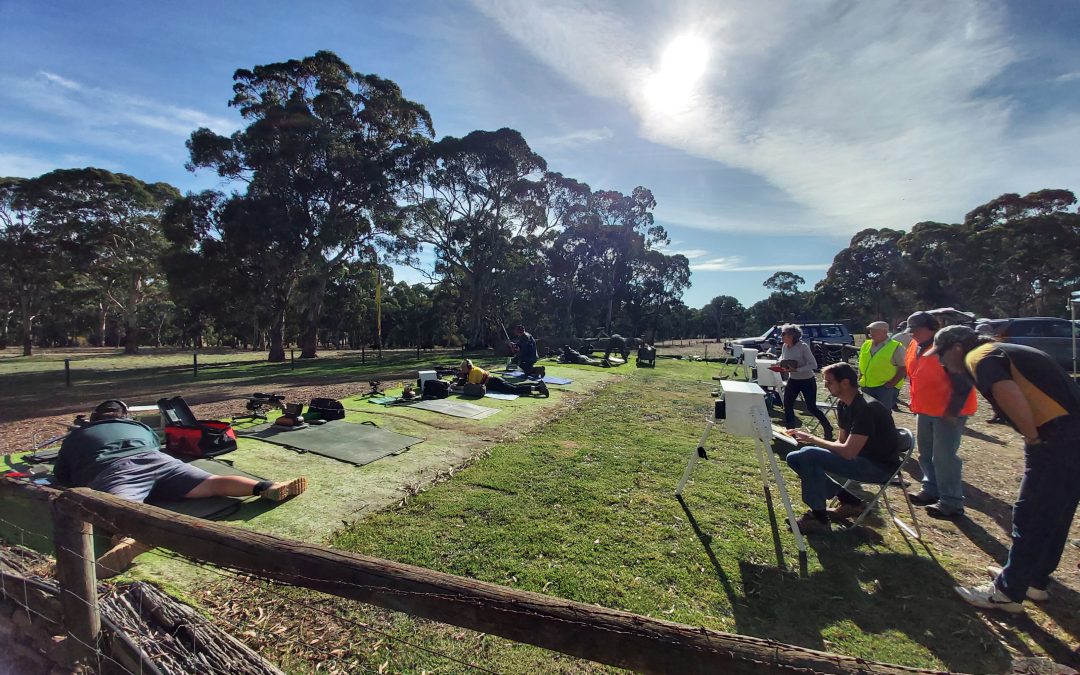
x=881, y=365
x=942, y=402
x=1038, y=399
x=902, y=335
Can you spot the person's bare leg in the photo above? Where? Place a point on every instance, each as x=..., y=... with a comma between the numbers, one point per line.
x=240, y=486
x=223, y=486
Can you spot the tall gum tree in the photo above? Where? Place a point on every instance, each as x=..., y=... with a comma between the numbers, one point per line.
x=468, y=206
x=336, y=149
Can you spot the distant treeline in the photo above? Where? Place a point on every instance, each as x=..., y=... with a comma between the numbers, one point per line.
x=1013, y=256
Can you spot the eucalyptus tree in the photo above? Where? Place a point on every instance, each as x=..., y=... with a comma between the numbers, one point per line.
x=335, y=149
x=476, y=194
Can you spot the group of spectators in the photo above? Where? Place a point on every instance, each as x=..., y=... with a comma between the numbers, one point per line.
x=944, y=366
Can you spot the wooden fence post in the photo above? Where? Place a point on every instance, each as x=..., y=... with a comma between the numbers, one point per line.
x=73, y=538
x=67, y=372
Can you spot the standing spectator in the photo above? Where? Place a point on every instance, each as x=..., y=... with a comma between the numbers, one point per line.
x=524, y=347
x=942, y=402
x=881, y=365
x=800, y=366
x=902, y=334
x=1038, y=399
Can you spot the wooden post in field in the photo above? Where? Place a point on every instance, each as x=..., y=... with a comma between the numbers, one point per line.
x=73, y=538
x=363, y=355
x=292, y=359
x=417, y=352
x=195, y=363
x=67, y=372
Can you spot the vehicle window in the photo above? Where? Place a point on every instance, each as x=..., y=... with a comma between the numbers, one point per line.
x=1027, y=329
x=810, y=332
x=831, y=331
x=1060, y=329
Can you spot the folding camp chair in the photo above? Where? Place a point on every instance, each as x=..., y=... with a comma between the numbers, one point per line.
x=907, y=447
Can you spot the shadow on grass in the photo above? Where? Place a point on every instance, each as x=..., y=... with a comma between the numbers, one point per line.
x=877, y=592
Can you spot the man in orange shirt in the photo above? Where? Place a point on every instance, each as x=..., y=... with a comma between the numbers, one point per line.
x=942, y=402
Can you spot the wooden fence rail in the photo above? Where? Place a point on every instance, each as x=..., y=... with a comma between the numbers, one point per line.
x=587, y=631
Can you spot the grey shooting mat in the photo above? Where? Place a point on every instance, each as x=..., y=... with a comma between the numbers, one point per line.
x=357, y=444
x=209, y=508
x=455, y=408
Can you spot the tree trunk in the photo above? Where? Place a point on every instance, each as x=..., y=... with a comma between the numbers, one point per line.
x=28, y=335
x=476, y=316
x=102, y=316
x=309, y=339
x=277, y=329
x=131, y=337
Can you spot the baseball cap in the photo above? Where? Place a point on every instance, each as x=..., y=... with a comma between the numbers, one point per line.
x=948, y=337
x=877, y=325
x=922, y=320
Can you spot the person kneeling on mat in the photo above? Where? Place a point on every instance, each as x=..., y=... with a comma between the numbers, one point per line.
x=472, y=374
x=123, y=457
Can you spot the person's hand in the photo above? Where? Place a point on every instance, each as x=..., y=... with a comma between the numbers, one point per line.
x=800, y=435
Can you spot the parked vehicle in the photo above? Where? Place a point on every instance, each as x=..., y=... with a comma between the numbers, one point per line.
x=1049, y=334
x=835, y=333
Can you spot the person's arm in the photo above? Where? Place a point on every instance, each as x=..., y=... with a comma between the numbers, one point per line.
x=961, y=387
x=805, y=358
x=847, y=446
x=1012, y=402
x=901, y=373
x=62, y=468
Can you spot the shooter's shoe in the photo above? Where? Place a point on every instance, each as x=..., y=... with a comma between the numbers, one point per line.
x=541, y=371
x=921, y=498
x=1033, y=594
x=988, y=597
x=119, y=557
x=809, y=524
x=542, y=389
x=279, y=492
x=847, y=511
x=942, y=510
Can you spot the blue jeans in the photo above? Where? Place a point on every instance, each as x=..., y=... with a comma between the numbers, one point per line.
x=814, y=464
x=1044, y=510
x=886, y=395
x=939, y=445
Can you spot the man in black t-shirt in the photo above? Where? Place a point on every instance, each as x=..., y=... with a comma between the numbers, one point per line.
x=1037, y=398
x=866, y=450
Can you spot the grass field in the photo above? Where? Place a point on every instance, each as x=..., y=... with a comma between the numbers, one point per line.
x=582, y=507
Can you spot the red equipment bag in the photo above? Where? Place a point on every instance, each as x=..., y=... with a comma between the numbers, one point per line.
x=190, y=438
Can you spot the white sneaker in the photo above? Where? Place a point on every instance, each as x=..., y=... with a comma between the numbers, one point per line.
x=988, y=597
x=1033, y=594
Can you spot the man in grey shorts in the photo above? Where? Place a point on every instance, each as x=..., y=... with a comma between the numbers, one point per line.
x=123, y=457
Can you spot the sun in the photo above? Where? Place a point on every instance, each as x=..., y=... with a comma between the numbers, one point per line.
x=671, y=87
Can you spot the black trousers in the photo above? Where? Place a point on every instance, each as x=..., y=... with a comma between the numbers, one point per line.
x=497, y=384
x=808, y=389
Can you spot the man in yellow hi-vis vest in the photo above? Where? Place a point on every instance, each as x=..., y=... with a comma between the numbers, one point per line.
x=881, y=365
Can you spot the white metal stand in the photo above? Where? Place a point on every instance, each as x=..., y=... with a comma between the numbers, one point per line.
x=763, y=447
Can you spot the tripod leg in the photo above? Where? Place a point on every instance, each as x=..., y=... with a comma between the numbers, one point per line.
x=695, y=455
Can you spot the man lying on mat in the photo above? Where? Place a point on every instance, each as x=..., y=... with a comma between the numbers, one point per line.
x=123, y=457
x=471, y=374
x=867, y=449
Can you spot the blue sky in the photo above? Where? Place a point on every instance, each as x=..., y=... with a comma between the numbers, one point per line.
x=769, y=134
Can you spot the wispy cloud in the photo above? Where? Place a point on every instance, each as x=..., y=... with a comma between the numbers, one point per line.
x=735, y=264
x=862, y=113
x=28, y=166
x=1068, y=77
x=52, y=106
x=689, y=254
x=579, y=137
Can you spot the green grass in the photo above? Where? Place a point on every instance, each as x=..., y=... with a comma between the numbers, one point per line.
x=585, y=510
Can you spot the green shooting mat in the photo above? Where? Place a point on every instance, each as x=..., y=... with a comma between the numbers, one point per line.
x=455, y=408
x=357, y=444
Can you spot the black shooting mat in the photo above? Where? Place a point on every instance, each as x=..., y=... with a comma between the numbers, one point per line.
x=209, y=508
x=357, y=444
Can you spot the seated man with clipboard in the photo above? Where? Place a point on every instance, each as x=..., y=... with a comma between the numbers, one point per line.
x=866, y=450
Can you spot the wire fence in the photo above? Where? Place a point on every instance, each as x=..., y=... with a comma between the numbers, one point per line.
x=330, y=660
